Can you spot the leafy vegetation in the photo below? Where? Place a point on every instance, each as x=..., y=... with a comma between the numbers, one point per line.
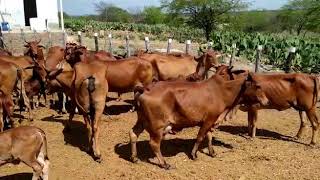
x=275, y=46
x=275, y=51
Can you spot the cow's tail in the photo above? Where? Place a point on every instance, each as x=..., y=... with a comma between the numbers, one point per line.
x=91, y=89
x=315, y=91
x=44, y=146
x=20, y=78
x=43, y=157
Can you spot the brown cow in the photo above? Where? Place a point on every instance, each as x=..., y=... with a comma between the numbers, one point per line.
x=299, y=91
x=284, y=91
x=87, y=86
x=123, y=75
x=173, y=66
x=34, y=50
x=177, y=105
x=27, y=144
x=10, y=77
x=81, y=52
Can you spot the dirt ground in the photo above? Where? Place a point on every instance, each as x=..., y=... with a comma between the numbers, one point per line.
x=272, y=155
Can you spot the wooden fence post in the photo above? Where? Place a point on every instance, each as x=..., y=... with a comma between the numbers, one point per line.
x=169, y=45
x=22, y=35
x=257, y=66
x=147, y=43
x=96, y=42
x=110, y=43
x=291, y=56
x=188, y=46
x=128, y=46
x=79, y=38
x=233, y=53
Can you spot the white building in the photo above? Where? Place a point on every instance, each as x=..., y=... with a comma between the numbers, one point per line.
x=33, y=13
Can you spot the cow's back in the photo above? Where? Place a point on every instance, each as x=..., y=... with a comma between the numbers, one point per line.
x=123, y=75
x=287, y=90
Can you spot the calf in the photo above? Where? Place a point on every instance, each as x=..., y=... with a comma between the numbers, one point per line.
x=172, y=106
x=27, y=144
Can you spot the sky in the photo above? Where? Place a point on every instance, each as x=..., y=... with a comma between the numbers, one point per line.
x=83, y=7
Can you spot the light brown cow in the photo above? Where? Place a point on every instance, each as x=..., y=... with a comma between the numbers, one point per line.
x=123, y=75
x=34, y=50
x=284, y=91
x=87, y=86
x=174, y=66
x=29, y=145
x=178, y=105
x=10, y=77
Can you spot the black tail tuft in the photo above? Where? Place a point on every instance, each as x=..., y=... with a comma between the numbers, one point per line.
x=91, y=86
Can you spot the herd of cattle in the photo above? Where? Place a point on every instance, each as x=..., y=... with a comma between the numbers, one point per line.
x=171, y=92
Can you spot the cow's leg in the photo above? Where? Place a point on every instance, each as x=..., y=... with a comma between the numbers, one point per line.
x=119, y=97
x=36, y=103
x=1, y=118
x=201, y=134
x=35, y=165
x=312, y=116
x=95, y=134
x=25, y=99
x=252, y=119
x=67, y=128
x=134, y=134
x=64, y=101
x=303, y=125
x=210, y=147
x=89, y=130
x=155, y=142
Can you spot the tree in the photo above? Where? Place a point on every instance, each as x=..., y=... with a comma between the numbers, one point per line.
x=300, y=15
x=203, y=14
x=153, y=15
x=111, y=13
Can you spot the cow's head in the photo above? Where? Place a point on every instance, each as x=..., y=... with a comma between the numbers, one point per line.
x=73, y=54
x=228, y=73
x=253, y=93
x=33, y=48
x=54, y=57
x=208, y=60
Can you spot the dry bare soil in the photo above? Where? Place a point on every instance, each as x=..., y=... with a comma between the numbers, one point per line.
x=272, y=155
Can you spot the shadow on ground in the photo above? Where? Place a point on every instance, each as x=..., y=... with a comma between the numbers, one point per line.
x=19, y=176
x=261, y=133
x=169, y=148
x=76, y=136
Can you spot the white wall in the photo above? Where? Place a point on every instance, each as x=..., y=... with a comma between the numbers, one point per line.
x=14, y=12
x=48, y=9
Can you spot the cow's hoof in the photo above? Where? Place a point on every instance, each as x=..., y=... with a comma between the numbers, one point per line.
x=134, y=159
x=212, y=153
x=167, y=166
x=98, y=158
x=194, y=156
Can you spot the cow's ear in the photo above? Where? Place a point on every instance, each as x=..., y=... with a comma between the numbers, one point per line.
x=250, y=77
x=41, y=46
x=27, y=45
